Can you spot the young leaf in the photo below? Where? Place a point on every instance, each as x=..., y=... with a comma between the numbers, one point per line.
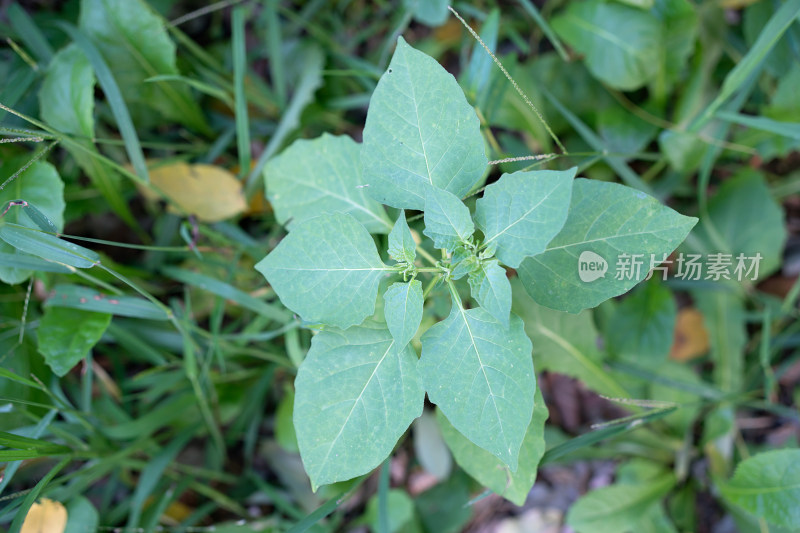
x=447, y=220
x=488, y=470
x=490, y=287
x=642, y=326
x=523, y=211
x=401, y=243
x=746, y=219
x=768, y=485
x=357, y=393
x=420, y=133
x=403, y=310
x=67, y=335
x=326, y=270
x=318, y=176
x=605, y=247
x=134, y=42
x=41, y=186
x=621, y=44
x=480, y=374
x=617, y=507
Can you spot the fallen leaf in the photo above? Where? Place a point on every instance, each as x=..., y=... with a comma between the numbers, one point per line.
x=691, y=338
x=209, y=192
x=46, y=516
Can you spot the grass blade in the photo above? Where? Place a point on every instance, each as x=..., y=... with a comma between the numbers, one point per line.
x=786, y=129
x=29, y=33
x=22, y=512
x=114, y=97
x=229, y=292
x=531, y=10
x=48, y=246
x=312, y=60
x=620, y=167
x=239, y=70
x=77, y=297
x=779, y=22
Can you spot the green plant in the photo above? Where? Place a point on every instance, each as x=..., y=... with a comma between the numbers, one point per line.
x=361, y=385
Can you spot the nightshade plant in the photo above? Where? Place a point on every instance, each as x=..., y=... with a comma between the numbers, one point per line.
x=362, y=383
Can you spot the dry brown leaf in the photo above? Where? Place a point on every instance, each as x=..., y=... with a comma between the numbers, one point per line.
x=46, y=516
x=691, y=337
x=209, y=192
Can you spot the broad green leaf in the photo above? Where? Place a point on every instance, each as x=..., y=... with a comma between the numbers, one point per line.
x=34, y=242
x=67, y=335
x=82, y=516
x=86, y=299
x=523, y=211
x=609, y=239
x=447, y=220
x=39, y=185
x=565, y=343
x=318, y=176
x=486, y=468
x=326, y=270
x=679, y=20
x=420, y=133
x=618, y=507
x=444, y=507
x=642, y=326
x=356, y=394
x=402, y=247
x=66, y=102
x=480, y=374
x=768, y=486
x=66, y=99
x=400, y=513
x=134, y=42
x=744, y=218
x=620, y=44
x=490, y=287
x=402, y=308
x=428, y=12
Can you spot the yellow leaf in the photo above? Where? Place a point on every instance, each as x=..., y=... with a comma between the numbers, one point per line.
x=209, y=192
x=691, y=337
x=47, y=516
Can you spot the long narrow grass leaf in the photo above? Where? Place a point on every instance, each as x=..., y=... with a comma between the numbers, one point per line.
x=30, y=34
x=239, y=70
x=114, y=97
x=87, y=299
x=773, y=30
